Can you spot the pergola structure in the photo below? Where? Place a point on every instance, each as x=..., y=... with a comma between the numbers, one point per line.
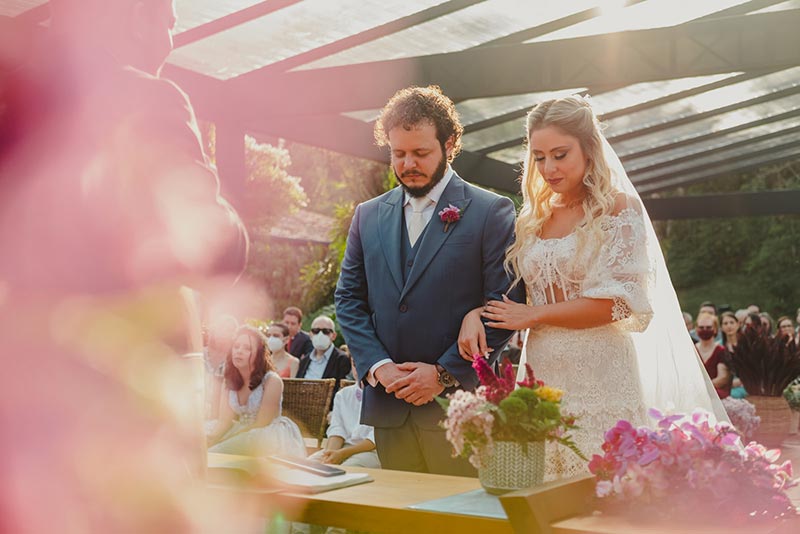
x=690, y=91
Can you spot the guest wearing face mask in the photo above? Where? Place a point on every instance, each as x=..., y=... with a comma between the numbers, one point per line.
x=285, y=364
x=713, y=354
x=325, y=361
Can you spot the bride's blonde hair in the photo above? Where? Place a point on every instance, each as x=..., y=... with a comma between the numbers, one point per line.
x=574, y=116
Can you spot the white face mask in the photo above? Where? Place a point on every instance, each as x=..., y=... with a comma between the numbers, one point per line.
x=274, y=344
x=321, y=341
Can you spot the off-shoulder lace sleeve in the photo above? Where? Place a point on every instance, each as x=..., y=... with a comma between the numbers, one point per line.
x=621, y=270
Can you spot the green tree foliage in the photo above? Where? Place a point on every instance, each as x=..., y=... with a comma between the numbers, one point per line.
x=738, y=261
x=320, y=277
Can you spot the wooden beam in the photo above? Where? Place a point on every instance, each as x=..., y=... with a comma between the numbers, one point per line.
x=740, y=204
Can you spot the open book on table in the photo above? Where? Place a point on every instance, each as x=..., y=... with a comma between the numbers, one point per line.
x=226, y=469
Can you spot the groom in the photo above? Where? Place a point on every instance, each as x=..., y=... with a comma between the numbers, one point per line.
x=409, y=277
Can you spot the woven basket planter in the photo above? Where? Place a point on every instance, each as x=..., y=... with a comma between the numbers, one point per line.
x=509, y=468
x=776, y=419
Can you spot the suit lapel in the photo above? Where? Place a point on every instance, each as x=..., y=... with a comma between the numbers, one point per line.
x=330, y=370
x=435, y=236
x=390, y=219
x=303, y=367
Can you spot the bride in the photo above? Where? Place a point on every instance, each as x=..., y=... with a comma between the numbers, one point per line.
x=602, y=317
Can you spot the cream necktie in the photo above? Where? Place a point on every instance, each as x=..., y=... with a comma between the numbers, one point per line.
x=416, y=223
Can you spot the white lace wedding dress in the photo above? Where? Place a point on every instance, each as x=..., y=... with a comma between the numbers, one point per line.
x=596, y=367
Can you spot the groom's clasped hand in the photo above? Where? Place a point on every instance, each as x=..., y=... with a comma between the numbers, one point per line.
x=414, y=382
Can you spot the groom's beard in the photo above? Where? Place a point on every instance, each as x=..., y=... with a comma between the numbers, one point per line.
x=436, y=177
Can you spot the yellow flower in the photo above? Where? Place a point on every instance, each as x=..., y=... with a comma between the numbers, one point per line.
x=549, y=394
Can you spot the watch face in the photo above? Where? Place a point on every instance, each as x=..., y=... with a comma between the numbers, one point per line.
x=446, y=379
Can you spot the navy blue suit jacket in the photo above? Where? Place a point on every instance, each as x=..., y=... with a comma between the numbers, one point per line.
x=418, y=320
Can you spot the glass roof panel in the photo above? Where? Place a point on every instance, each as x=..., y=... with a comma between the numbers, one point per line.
x=479, y=109
x=721, y=156
x=287, y=32
x=465, y=28
x=731, y=167
x=12, y=8
x=709, y=125
x=365, y=115
x=783, y=6
x=513, y=155
x=640, y=93
x=716, y=142
x=706, y=101
x=493, y=135
x=193, y=13
x=644, y=15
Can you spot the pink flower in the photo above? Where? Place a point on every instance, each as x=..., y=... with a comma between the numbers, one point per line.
x=690, y=461
x=497, y=387
x=450, y=214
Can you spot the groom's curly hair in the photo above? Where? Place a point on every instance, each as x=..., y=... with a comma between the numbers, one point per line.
x=414, y=105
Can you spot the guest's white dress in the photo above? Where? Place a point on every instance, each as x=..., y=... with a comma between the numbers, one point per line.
x=281, y=436
x=596, y=367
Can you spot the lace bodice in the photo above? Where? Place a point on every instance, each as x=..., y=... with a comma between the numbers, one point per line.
x=246, y=413
x=612, y=265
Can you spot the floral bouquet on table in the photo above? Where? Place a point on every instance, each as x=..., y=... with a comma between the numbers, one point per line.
x=743, y=416
x=687, y=466
x=499, y=411
x=792, y=394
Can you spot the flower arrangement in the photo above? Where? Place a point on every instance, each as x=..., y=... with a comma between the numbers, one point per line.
x=689, y=466
x=764, y=364
x=743, y=416
x=792, y=394
x=499, y=411
x=449, y=215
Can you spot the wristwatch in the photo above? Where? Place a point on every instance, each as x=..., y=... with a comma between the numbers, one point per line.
x=445, y=379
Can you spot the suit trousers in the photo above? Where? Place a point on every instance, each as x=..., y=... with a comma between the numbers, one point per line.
x=419, y=446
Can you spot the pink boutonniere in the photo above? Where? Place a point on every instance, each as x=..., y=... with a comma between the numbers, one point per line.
x=451, y=214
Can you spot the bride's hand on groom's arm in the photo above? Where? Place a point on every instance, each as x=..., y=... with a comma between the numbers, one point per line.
x=420, y=386
x=509, y=315
x=472, y=336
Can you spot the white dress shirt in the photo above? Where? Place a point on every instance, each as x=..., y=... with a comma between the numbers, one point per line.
x=318, y=363
x=434, y=195
x=346, y=417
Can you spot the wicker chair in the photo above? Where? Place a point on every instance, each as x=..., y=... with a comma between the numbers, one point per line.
x=343, y=383
x=307, y=402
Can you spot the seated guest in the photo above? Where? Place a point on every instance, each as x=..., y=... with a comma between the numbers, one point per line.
x=731, y=328
x=350, y=376
x=250, y=420
x=767, y=322
x=713, y=354
x=730, y=331
x=741, y=314
x=325, y=360
x=753, y=320
x=349, y=442
x=786, y=329
x=285, y=364
x=220, y=339
x=299, y=342
x=797, y=320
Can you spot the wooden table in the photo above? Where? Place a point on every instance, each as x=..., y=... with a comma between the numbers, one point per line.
x=382, y=505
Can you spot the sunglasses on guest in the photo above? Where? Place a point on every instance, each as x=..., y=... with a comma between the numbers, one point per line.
x=326, y=331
